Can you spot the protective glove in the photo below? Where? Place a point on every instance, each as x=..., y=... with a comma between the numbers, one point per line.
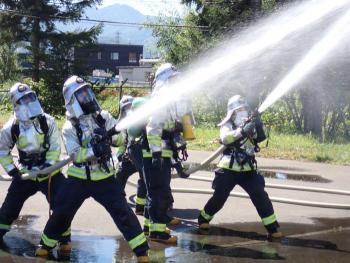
x=102, y=149
x=45, y=165
x=123, y=157
x=100, y=134
x=15, y=174
x=248, y=129
x=180, y=170
x=157, y=160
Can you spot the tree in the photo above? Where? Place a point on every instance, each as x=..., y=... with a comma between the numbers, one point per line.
x=34, y=22
x=9, y=68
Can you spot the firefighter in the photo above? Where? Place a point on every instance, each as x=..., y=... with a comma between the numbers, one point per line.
x=37, y=139
x=88, y=134
x=157, y=155
x=130, y=154
x=238, y=166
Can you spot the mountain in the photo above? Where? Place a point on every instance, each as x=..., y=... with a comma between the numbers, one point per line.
x=113, y=33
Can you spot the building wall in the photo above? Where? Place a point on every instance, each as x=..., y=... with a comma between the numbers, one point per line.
x=138, y=74
x=99, y=57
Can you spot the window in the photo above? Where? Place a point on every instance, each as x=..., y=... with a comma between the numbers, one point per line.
x=114, y=55
x=99, y=55
x=132, y=58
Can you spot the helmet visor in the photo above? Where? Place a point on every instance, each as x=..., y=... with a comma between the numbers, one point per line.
x=83, y=95
x=26, y=99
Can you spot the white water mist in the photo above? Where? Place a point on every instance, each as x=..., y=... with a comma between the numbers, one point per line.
x=339, y=30
x=242, y=48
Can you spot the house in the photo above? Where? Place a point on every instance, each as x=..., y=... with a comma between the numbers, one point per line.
x=109, y=57
x=138, y=75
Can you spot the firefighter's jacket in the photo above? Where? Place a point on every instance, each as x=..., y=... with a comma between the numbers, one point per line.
x=228, y=135
x=160, y=123
x=85, y=164
x=31, y=142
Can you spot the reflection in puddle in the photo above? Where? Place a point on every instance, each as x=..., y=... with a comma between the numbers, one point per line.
x=237, y=242
x=272, y=174
x=298, y=177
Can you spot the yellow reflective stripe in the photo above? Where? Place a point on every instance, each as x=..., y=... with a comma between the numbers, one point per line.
x=40, y=179
x=169, y=125
x=53, y=155
x=6, y=160
x=269, y=220
x=22, y=142
x=81, y=155
x=153, y=137
x=67, y=233
x=86, y=141
x=100, y=176
x=140, y=201
x=147, y=222
x=156, y=227
x=48, y=241
x=40, y=138
x=5, y=227
x=206, y=216
x=76, y=172
x=137, y=241
x=167, y=153
x=146, y=153
x=235, y=167
x=81, y=173
x=119, y=140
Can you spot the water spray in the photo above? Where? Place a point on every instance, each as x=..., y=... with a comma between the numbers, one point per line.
x=312, y=59
x=242, y=48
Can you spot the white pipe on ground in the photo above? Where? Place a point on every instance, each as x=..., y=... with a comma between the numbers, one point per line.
x=288, y=187
x=273, y=199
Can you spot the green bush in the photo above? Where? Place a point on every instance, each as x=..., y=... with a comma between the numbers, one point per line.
x=50, y=96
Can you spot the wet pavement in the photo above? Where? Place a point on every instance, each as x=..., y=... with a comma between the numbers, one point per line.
x=326, y=241
x=237, y=235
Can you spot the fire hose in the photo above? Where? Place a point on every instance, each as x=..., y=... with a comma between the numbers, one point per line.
x=214, y=155
x=48, y=170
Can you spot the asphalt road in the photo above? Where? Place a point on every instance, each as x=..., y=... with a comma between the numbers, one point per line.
x=312, y=234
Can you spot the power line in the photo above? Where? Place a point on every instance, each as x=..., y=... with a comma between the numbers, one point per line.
x=17, y=13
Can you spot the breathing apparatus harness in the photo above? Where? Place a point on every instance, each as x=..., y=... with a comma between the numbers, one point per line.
x=35, y=159
x=179, y=148
x=235, y=149
x=100, y=135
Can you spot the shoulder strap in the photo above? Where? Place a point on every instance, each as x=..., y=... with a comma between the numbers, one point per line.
x=101, y=122
x=15, y=132
x=45, y=128
x=76, y=125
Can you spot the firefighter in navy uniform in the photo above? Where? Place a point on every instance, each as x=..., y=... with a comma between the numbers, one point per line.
x=130, y=154
x=88, y=134
x=157, y=157
x=238, y=166
x=37, y=139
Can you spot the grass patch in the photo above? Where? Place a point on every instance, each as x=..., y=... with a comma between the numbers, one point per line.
x=282, y=146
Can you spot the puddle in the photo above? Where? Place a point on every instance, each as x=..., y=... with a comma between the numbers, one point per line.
x=272, y=174
x=238, y=242
x=297, y=177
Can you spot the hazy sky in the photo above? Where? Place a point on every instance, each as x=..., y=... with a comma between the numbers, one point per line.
x=149, y=7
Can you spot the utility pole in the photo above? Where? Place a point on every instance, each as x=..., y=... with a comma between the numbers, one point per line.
x=118, y=37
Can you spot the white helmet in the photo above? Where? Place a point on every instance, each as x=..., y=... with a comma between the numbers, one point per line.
x=163, y=74
x=79, y=98
x=234, y=103
x=25, y=102
x=126, y=102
